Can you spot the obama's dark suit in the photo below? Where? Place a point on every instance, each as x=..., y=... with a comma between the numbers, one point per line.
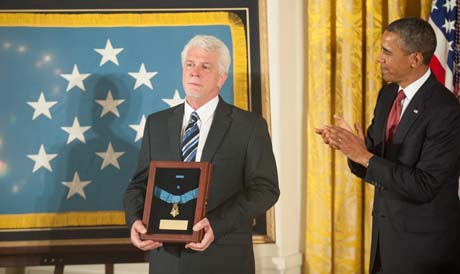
x=416, y=214
x=244, y=184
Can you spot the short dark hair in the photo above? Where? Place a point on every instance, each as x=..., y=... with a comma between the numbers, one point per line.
x=416, y=35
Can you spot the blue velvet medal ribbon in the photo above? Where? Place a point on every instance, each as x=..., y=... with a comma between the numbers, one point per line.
x=175, y=199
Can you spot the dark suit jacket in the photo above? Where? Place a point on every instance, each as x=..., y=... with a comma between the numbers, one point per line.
x=416, y=204
x=244, y=185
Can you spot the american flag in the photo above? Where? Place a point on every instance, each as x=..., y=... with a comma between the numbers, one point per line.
x=73, y=107
x=457, y=52
x=445, y=20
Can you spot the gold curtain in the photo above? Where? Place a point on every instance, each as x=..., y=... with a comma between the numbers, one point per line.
x=343, y=77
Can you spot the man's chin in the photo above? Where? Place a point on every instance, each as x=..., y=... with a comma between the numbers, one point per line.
x=194, y=95
x=385, y=78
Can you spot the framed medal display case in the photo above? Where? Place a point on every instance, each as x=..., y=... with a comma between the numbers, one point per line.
x=176, y=200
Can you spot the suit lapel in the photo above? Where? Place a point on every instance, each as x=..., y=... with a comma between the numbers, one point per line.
x=174, y=129
x=218, y=130
x=414, y=110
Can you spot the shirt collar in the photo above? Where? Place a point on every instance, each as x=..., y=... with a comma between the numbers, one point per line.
x=205, y=111
x=411, y=89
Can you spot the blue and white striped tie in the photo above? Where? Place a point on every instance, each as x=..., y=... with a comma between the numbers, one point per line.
x=190, y=139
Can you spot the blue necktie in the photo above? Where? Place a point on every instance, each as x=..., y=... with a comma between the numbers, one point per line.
x=190, y=138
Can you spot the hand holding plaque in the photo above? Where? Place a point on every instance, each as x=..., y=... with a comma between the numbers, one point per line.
x=176, y=200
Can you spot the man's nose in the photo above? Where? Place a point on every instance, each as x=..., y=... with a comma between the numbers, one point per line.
x=194, y=71
x=380, y=58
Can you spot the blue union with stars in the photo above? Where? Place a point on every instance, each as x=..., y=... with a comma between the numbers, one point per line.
x=73, y=109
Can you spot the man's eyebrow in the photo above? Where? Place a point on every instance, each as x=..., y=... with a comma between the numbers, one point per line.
x=386, y=49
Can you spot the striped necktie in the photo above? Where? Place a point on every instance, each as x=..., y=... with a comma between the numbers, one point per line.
x=190, y=138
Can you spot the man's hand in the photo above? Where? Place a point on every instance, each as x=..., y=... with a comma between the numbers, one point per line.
x=339, y=121
x=208, y=237
x=136, y=230
x=342, y=138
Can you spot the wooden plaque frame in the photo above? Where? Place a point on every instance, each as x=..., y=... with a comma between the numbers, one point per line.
x=204, y=180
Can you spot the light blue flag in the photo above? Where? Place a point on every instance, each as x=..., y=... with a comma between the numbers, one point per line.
x=73, y=107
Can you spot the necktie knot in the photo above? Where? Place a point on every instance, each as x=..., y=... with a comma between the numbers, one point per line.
x=192, y=121
x=194, y=117
x=401, y=96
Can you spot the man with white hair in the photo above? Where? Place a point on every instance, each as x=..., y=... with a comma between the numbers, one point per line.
x=244, y=182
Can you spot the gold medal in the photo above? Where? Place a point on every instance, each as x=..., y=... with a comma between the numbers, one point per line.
x=175, y=210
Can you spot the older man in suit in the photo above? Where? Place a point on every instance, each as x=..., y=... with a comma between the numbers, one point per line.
x=411, y=154
x=244, y=181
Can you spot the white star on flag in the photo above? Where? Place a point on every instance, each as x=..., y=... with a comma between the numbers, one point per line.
x=433, y=5
x=143, y=77
x=449, y=25
x=76, y=131
x=109, y=104
x=75, y=79
x=175, y=100
x=450, y=45
x=110, y=157
x=42, y=106
x=109, y=53
x=42, y=159
x=76, y=186
x=450, y=5
x=139, y=128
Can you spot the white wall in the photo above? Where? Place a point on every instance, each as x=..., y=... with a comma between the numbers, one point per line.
x=286, y=58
